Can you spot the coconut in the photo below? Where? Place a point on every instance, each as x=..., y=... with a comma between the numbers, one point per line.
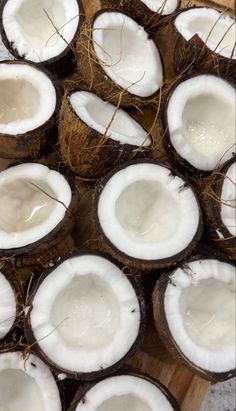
x=95, y=294
x=219, y=198
x=95, y=135
x=206, y=41
x=129, y=392
x=36, y=208
x=194, y=310
x=196, y=137
x=147, y=214
x=10, y=293
x=26, y=383
x=42, y=31
x=118, y=61
x=148, y=13
x=29, y=104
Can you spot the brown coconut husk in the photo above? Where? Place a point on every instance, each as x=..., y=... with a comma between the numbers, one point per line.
x=92, y=77
x=85, y=151
x=61, y=65
x=211, y=202
x=33, y=143
x=195, y=56
x=165, y=333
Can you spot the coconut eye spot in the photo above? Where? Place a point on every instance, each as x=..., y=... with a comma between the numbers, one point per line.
x=126, y=53
x=25, y=395
x=89, y=302
x=148, y=212
x=124, y=402
x=25, y=204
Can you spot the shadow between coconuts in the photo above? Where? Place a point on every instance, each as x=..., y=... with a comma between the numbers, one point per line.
x=183, y=165
x=34, y=346
x=163, y=327
x=83, y=390
x=137, y=262
x=61, y=65
x=94, y=77
x=33, y=143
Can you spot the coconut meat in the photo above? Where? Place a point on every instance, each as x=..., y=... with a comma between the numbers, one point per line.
x=40, y=29
x=107, y=120
x=27, y=384
x=194, y=113
x=124, y=392
x=27, y=98
x=93, y=292
x=200, y=310
x=216, y=29
x=126, y=54
x=148, y=213
x=162, y=7
x=228, y=200
x=33, y=201
x=7, y=306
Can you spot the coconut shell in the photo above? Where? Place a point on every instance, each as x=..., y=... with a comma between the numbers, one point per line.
x=165, y=333
x=33, y=143
x=61, y=65
x=125, y=259
x=83, y=390
x=34, y=346
x=144, y=16
x=92, y=77
x=87, y=152
x=194, y=56
x=211, y=201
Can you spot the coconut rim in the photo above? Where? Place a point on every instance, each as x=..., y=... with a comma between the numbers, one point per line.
x=11, y=252
x=196, y=34
x=86, y=376
x=160, y=288
x=126, y=90
x=58, y=91
x=164, y=261
x=52, y=60
x=83, y=390
x=185, y=164
x=15, y=286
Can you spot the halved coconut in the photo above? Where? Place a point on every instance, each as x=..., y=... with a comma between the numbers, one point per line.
x=194, y=309
x=128, y=392
x=95, y=135
x=118, y=61
x=206, y=40
x=35, y=208
x=147, y=13
x=147, y=215
x=42, y=31
x=199, y=116
x=85, y=317
x=26, y=383
x=8, y=305
x=29, y=104
x=219, y=201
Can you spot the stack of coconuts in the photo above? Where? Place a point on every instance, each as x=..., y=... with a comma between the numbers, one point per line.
x=117, y=191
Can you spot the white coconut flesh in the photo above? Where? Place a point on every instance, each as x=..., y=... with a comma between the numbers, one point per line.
x=34, y=200
x=194, y=114
x=108, y=120
x=85, y=314
x=27, y=98
x=124, y=392
x=162, y=7
x=40, y=29
x=126, y=53
x=148, y=213
x=216, y=29
x=27, y=384
x=7, y=306
x=200, y=310
x=228, y=200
